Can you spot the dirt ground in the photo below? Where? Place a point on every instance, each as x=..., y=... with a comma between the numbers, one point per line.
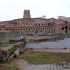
x=32, y=52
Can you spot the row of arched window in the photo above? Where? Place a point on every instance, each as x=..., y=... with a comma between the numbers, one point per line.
x=23, y=29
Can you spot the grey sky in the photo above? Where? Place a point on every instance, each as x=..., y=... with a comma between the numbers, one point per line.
x=13, y=9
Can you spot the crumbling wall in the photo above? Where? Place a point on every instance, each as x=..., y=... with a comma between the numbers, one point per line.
x=4, y=37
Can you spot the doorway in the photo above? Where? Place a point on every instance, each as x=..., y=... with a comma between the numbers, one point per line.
x=66, y=31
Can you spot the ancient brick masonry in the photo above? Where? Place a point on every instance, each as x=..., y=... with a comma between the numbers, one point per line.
x=36, y=25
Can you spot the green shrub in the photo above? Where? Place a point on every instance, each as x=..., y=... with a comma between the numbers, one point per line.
x=21, y=52
x=46, y=48
x=24, y=42
x=11, y=51
x=16, y=46
x=11, y=41
x=15, y=56
x=1, y=61
x=23, y=46
x=31, y=48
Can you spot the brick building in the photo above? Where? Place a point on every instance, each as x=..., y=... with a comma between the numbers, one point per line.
x=37, y=25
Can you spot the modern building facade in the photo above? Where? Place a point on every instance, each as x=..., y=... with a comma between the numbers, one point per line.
x=37, y=25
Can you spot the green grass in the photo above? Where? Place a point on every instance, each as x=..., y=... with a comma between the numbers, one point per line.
x=40, y=58
x=48, y=57
x=8, y=68
x=11, y=51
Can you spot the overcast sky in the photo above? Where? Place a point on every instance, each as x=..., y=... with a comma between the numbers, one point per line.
x=13, y=9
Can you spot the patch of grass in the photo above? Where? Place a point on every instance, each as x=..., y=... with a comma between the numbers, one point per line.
x=9, y=61
x=40, y=58
x=8, y=68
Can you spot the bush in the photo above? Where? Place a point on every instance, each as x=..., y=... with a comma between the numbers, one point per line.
x=24, y=42
x=1, y=61
x=11, y=51
x=23, y=46
x=15, y=56
x=31, y=48
x=21, y=52
x=46, y=48
x=16, y=46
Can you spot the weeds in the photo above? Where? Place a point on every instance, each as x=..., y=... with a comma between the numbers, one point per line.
x=16, y=46
x=11, y=51
x=9, y=61
x=8, y=68
x=15, y=56
x=1, y=61
x=48, y=57
x=21, y=52
x=31, y=48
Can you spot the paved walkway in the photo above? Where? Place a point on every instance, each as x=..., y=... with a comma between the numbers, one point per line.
x=23, y=65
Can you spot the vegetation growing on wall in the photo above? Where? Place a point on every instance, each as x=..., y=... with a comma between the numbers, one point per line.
x=24, y=44
x=11, y=51
x=15, y=55
x=16, y=46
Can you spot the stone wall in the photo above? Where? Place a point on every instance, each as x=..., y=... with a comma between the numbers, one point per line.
x=58, y=44
x=4, y=37
x=4, y=55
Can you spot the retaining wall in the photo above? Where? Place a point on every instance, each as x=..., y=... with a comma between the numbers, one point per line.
x=55, y=45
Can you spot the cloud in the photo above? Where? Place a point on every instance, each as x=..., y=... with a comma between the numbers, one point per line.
x=13, y=9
